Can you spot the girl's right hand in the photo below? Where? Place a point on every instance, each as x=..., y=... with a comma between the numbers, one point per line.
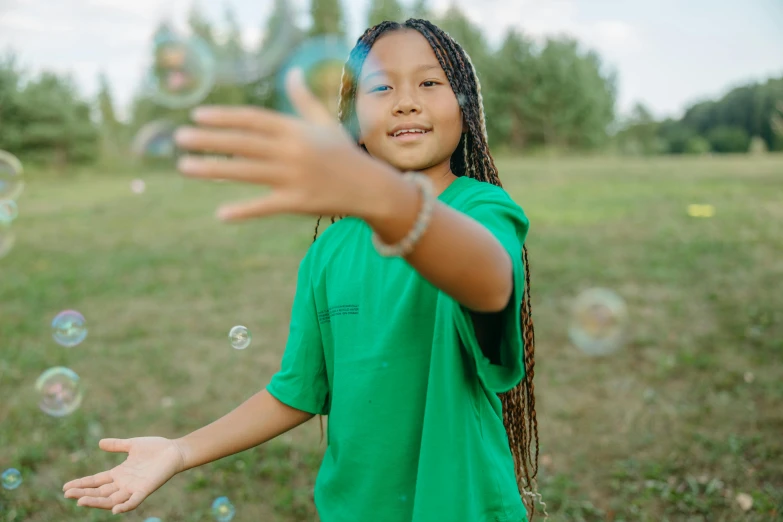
x=151, y=462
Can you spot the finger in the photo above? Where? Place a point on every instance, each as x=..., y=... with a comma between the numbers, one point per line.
x=95, y=481
x=221, y=141
x=257, y=119
x=305, y=102
x=236, y=169
x=104, y=502
x=103, y=491
x=130, y=504
x=114, y=445
x=268, y=206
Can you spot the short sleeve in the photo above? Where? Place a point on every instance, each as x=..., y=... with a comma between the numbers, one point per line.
x=302, y=381
x=509, y=224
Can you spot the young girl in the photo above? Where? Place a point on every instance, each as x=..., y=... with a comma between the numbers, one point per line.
x=410, y=326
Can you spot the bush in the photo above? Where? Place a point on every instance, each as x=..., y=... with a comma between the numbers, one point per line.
x=697, y=145
x=726, y=139
x=757, y=146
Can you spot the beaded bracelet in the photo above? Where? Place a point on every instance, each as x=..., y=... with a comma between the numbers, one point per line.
x=406, y=244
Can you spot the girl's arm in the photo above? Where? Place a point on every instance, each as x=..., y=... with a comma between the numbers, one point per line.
x=456, y=253
x=257, y=420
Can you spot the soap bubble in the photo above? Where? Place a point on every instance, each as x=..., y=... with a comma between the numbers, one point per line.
x=598, y=321
x=138, y=186
x=182, y=71
x=7, y=238
x=239, y=337
x=68, y=328
x=8, y=210
x=11, y=478
x=60, y=391
x=152, y=519
x=223, y=510
x=155, y=140
x=11, y=182
x=321, y=59
x=273, y=50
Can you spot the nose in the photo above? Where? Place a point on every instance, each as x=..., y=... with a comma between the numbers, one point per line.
x=407, y=104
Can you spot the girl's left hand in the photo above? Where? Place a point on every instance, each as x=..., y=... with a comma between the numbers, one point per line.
x=311, y=164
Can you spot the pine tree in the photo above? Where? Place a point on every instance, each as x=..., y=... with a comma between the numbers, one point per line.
x=328, y=19
x=382, y=10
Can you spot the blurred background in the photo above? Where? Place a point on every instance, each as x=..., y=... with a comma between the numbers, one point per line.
x=643, y=139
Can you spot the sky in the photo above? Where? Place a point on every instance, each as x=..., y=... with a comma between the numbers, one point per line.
x=667, y=53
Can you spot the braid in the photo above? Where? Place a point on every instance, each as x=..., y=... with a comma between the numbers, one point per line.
x=475, y=161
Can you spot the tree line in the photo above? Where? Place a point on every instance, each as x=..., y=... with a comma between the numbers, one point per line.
x=550, y=95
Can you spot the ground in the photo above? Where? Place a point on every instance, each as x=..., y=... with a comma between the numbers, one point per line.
x=671, y=428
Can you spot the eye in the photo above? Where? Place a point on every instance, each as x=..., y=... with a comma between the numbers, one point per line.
x=379, y=88
x=433, y=83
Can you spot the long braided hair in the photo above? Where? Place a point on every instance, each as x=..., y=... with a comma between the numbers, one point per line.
x=475, y=161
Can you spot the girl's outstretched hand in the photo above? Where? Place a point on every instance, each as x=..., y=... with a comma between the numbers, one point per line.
x=151, y=462
x=311, y=163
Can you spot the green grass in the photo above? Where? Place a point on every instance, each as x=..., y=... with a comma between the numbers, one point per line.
x=666, y=429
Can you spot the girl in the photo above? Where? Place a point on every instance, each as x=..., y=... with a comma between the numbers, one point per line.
x=406, y=326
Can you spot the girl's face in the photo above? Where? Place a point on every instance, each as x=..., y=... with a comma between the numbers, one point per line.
x=402, y=86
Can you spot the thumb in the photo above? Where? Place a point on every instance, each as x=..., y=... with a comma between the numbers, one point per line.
x=114, y=445
x=304, y=101
x=272, y=204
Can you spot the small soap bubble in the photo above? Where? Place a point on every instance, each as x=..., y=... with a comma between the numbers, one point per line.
x=8, y=210
x=182, y=71
x=11, y=479
x=598, y=322
x=152, y=519
x=321, y=59
x=223, y=510
x=250, y=68
x=60, y=391
x=239, y=337
x=69, y=328
x=11, y=181
x=138, y=186
x=7, y=238
x=155, y=140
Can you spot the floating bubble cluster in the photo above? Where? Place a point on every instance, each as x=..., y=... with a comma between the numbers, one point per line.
x=69, y=328
x=182, y=72
x=60, y=391
x=598, y=322
x=321, y=59
x=239, y=337
x=11, y=182
x=138, y=186
x=155, y=140
x=8, y=210
x=11, y=479
x=223, y=510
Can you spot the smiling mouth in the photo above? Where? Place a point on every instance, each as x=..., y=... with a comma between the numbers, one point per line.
x=412, y=135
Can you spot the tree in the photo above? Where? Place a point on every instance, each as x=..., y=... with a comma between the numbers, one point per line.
x=572, y=102
x=10, y=117
x=727, y=139
x=201, y=26
x=55, y=124
x=421, y=10
x=106, y=105
x=640, y=133
x=327, y=18
x=382, y=10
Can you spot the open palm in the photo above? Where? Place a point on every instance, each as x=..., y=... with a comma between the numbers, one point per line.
x=151, y=462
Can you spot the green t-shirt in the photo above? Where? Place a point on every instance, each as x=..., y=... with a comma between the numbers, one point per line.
x=415, y=429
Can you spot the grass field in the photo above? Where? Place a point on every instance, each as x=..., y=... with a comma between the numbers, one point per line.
x=672, y=428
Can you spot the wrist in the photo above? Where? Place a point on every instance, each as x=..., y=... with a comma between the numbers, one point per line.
x=184, y=452
x=391, y=205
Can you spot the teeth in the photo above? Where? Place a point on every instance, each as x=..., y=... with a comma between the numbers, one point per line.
x=404, y=131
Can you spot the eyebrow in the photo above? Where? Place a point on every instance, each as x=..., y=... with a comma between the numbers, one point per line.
x=420, y=68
